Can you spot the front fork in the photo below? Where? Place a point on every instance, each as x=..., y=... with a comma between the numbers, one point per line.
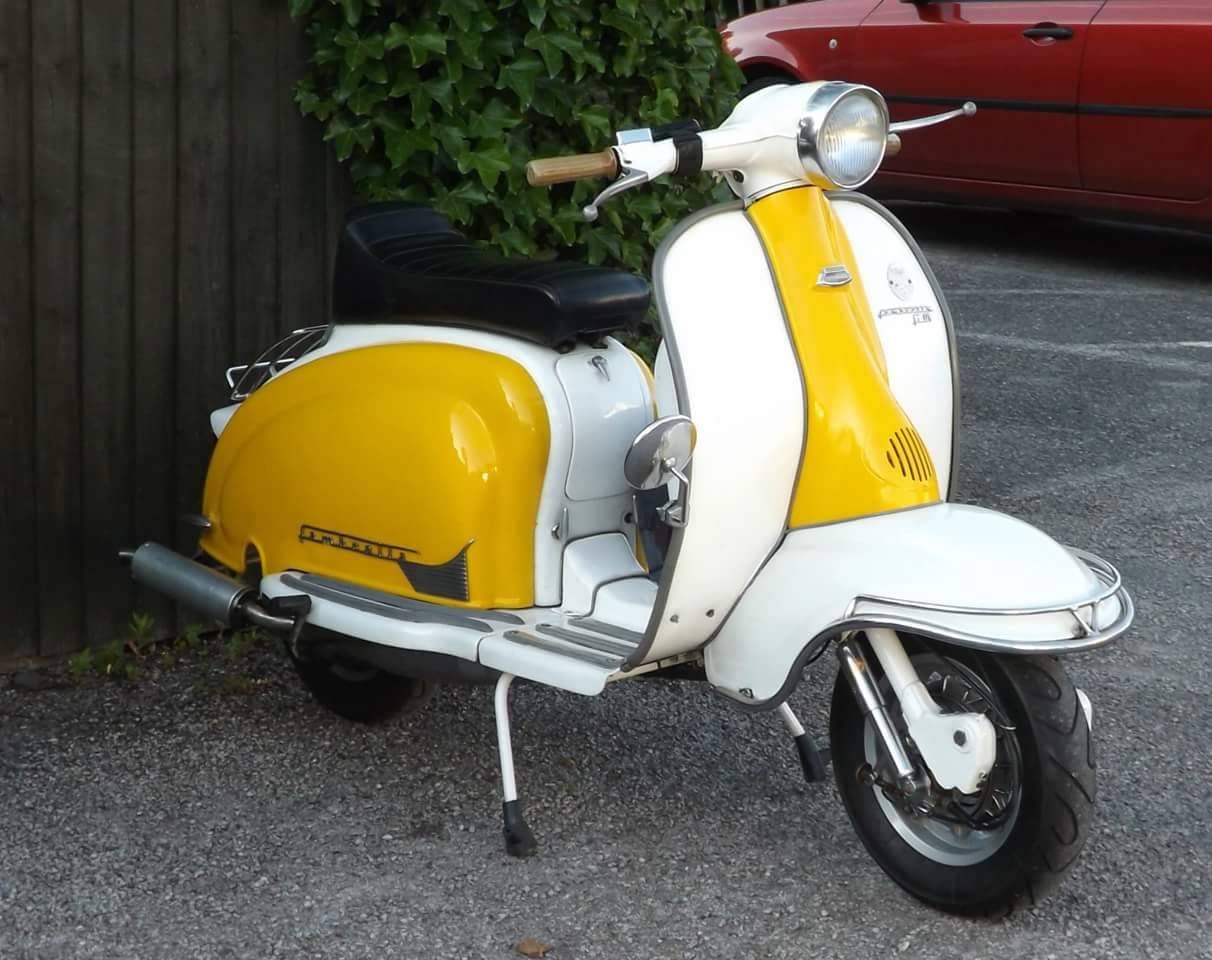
x=958, y=749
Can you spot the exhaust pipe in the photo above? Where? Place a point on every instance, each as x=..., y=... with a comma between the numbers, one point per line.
x=200, y=588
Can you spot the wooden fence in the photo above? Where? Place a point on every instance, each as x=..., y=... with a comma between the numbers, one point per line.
x=164, y=211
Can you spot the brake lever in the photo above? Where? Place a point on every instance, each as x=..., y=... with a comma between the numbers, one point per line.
x=630, y=178
x=967, y=110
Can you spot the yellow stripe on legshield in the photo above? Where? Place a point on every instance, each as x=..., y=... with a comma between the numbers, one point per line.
x=862, y=454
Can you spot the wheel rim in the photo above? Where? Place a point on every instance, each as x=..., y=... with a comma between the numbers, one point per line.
x=942, y=841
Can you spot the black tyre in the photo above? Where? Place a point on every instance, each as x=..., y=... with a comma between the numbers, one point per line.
x=362, y=693
x=1037, y=805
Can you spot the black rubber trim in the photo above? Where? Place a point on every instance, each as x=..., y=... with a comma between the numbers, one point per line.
x=1046, y=106
x=678, y=128
x=690, y=155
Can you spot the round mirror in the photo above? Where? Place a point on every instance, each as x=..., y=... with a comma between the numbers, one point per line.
x=661, y=450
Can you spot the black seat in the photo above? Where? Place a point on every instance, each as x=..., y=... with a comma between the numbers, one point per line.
x=405, y=261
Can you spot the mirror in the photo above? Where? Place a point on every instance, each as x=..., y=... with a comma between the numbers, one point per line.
x=661, y=450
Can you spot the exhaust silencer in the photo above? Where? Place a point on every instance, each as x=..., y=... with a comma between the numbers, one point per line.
x=189, y=583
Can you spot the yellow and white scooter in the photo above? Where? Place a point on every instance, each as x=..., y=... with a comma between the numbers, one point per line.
x=464, y=477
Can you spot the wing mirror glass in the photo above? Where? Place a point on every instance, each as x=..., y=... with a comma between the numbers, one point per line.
x=662, y=450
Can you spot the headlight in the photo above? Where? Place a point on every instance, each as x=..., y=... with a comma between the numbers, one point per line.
x=844, y=135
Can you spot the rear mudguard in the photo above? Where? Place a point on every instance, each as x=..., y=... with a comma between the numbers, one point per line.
x=959, y=574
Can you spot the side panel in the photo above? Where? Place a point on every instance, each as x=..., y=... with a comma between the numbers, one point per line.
x=414, y=468
x=737, y=379
x=913, y=323
x=555, y=510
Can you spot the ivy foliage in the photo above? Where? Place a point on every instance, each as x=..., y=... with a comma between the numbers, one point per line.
x=445, y=101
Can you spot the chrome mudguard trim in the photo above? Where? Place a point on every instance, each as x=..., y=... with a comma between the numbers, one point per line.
x=1090, y=634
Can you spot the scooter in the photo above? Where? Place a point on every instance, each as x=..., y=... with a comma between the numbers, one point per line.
x=466, y=477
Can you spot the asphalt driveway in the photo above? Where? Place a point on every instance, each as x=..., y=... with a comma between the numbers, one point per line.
x=189, y=816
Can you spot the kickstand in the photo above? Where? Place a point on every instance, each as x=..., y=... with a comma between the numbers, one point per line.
x=812, y=757
x=519, y=841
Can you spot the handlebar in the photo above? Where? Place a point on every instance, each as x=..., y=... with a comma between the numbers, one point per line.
x=579, y=166
x=751, y=140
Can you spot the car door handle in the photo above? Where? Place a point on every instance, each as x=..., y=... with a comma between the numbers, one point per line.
x=1048, y=31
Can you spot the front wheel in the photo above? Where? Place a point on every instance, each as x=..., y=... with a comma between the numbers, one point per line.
x=1020, y=833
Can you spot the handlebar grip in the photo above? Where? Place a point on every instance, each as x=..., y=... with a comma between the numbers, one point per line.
x=580, y=166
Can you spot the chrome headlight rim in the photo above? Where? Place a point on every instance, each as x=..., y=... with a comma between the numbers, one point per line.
x=821, y=105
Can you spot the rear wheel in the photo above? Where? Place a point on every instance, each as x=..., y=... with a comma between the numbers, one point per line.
x=360, y=692
x=1019, y=834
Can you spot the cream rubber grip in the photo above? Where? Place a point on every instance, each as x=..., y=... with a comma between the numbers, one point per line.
x=580, y=166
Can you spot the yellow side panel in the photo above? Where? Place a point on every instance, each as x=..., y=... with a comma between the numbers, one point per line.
x=378, y=466
x=863, y=455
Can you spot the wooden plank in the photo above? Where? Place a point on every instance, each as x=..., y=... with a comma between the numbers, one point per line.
x=204, y=301
x=303, y=279
x=154, y=299
x=254, y=164
x=56, y=269
x=18, y=526
x=339, y=195
x=105, y=313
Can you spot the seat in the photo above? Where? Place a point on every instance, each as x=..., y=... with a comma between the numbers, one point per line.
x=404, y=261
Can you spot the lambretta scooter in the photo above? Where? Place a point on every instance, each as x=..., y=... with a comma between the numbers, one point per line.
x=465, y=477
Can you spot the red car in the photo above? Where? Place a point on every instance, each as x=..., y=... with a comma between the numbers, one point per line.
x=1096, y=106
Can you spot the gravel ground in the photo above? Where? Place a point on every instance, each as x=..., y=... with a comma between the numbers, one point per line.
x=178, y=818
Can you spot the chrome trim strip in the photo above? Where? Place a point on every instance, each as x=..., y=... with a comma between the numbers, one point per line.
x=1104, y=571
x=564, y=650
x=600, y=644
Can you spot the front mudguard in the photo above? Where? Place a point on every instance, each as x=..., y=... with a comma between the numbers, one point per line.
x=959, y=574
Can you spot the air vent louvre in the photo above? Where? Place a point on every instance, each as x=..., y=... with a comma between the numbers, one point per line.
x=907, y=452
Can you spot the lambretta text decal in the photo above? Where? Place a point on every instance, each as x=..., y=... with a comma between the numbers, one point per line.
x=345, y=541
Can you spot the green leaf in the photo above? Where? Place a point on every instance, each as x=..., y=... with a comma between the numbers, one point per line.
x=301, y=8
x=396, y=37
x=597, y=123
x=402, y=143
x=353, y=11
x=520, y=76
x=536, y=10
x=490, y=160
x=423, y=41
x=454, y=143
x=461, y=12
x=493, y=120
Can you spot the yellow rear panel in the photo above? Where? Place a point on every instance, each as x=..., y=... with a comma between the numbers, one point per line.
x=413, y=468
x=862, y=454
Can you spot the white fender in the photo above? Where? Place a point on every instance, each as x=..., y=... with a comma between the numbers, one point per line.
x=958, y=573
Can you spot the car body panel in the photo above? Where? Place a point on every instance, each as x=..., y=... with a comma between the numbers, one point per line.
x=776, y=38
x=1026, y=129
x=1129, y=136
x=1148, y=130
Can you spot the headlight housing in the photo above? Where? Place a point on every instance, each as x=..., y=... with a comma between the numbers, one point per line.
x=843, y=135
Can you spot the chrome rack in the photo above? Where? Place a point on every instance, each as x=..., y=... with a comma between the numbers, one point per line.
x=246, y=378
